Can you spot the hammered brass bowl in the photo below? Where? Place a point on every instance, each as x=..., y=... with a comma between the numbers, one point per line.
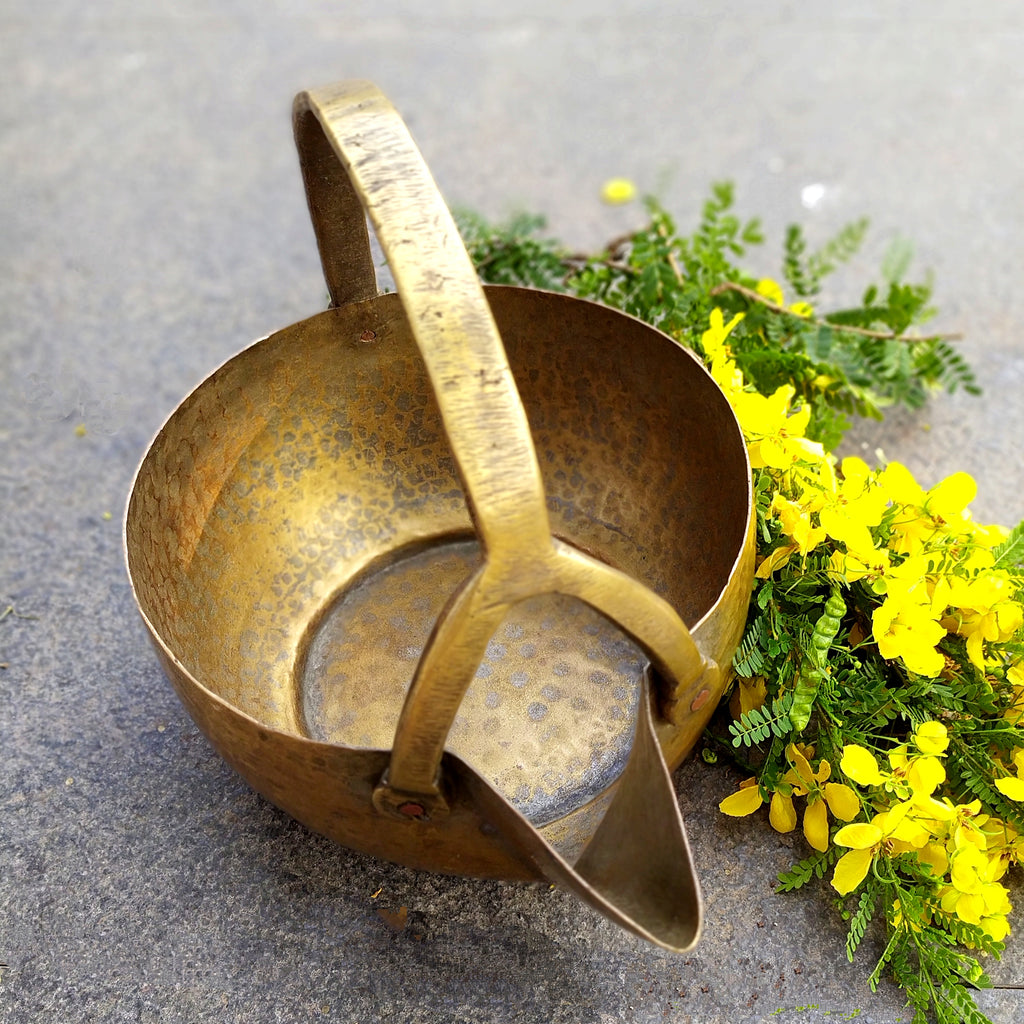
x=452, y=575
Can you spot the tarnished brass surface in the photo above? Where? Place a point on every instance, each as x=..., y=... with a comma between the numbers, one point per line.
x=381, y=534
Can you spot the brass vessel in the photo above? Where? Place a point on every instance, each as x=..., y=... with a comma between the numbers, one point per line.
x=452, y=575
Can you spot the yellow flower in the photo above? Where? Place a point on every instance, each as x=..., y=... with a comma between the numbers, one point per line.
x=900, y=486
x=795, y=519
x=1013, y=788
x=984, y=609
x=822, y=796
x=744, y=801
x=947, y=501
x=719, y=356
x=973, y=894
x=1003, y=844
x=922, y=515
x=913, y=779
x=770, y=290
x=969, y=870
x=934, y=855
x=965, y=827
x=851, y=507
x=859, y=764
x=801, y=780
x=749, y=693
x=905, y=627
x=713, y=339
x=871, y=565
x=776, y=560
x=996, y=927
x=617, y=191
x=922, y=773
x=774, y=431
x=931, y=738
x=866, y=840
x=1015, y=677
x=782, y=813
x=989, y=536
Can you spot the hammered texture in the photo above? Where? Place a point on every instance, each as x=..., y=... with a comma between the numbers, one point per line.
x=549, y=717
x=298, y=525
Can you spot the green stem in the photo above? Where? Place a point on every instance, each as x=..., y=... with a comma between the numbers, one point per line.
x=864, y=332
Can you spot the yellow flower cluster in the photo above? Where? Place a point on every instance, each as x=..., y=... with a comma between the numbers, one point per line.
x=919, y=550
x=967, y=851
x=933, y=573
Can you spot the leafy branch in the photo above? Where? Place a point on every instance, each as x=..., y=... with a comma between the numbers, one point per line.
x=810, y=656
x=756, y=725
x=864, y=332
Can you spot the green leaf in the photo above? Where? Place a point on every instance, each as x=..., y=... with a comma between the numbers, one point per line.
x=979, y=782
x=757, y=724
x=511, y=253
x=802, y=872
x=860, y=920
x=938, y=364
x=896, y=260
x=749, y=659
x=1010, y=553
x=794, y=268
x=841, y=248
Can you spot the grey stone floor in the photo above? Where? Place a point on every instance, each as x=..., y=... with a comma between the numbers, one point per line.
x=152, y=223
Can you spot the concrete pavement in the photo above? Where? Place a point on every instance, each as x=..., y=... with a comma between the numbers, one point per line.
x=152, y=223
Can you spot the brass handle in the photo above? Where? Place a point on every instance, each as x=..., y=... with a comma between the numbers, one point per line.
x=483, y=417
x=357, y=155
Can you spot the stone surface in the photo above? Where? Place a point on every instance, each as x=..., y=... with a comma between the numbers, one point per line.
x=153, y=223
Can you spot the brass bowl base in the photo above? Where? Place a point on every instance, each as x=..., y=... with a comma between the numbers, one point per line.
x=549, y=717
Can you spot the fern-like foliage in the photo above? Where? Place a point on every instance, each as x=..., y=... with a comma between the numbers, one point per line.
x=802, y=872
x=972, y=936
x=955, y=1005
x=933, y=975
x=895, y=949
x=841, y=248
x=1010, y=553
x=795, y=266
x=673, y=280
x=758, y=724
x=940, y=364
x=859, y=921
x=854, y=362
x=720, y=237
x=514, y=252
x=749, y=659
x=805, y=272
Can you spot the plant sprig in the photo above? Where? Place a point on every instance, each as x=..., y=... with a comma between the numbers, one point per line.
x=905, y=749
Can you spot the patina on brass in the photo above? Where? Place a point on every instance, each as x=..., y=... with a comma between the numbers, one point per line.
x=452, y=575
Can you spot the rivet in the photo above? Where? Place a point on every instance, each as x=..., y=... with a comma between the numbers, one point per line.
x=412, y=810
x=700, y=700
x=368, y=335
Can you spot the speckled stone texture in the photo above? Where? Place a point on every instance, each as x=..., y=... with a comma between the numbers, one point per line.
x=152, y=223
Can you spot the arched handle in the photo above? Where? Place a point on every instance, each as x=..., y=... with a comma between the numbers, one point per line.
x=357, y=155
x=377, y=167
